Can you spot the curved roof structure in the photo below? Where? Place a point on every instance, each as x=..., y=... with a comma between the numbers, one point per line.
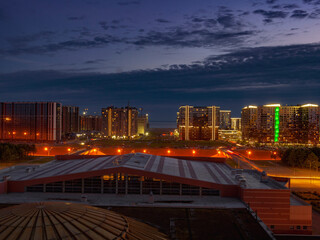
x=61, y=220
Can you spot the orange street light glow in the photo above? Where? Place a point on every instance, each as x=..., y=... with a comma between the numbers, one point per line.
x=8, y=119
x=219, y=152
x=14, y=133
x=275, y=153
x=46, y=149
x=169, y=151
x=144, y=150
x=94, y=150
x=119, y=150
x=194, y=152
x=24, y=133
x=249, y=152
x=69, y=149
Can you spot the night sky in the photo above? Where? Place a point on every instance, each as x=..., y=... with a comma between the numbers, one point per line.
x=159, y=55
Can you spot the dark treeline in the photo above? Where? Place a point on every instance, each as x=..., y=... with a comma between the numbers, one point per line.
x=13, y=152
x=301, y=157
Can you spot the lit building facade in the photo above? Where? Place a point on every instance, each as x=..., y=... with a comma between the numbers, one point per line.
x=91, y=123
x=119, y=122
x=143, y=124
x=30, y=121
x=70, y=120
x=249, y=127
x=236, y=124
x=286, y=124
x=225, y=119
x=198, y=123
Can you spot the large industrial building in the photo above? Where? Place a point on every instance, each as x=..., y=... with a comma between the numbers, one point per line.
x=144, y=174
x=274, y=123
x=198, y=123
x=30, y=121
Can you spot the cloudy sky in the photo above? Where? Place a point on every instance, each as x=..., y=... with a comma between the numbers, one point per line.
x=159, y=55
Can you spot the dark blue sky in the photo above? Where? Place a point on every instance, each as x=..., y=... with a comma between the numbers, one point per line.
x=160, y=54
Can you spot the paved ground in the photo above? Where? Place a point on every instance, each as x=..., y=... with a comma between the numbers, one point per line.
x=126, y=200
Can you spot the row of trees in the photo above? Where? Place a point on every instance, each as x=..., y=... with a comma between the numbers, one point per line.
x=301, y=157
x=13, y=152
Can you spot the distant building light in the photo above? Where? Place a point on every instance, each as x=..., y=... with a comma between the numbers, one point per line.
x=310, y=105
x=273, y=105
x=250, y=106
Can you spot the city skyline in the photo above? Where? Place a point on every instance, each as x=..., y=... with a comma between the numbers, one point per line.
x=160, y=55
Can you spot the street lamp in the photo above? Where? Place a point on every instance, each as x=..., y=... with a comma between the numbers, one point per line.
x=249, y=153
x=48, y=150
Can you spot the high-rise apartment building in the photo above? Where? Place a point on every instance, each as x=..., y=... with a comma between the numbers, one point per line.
x=30, y=121
x=70, y=120
x=225, y=119
x=249, y=116
x=236, y=124
x=91, y=123
x=119, y=122
x=287, y=124
x=198, y=123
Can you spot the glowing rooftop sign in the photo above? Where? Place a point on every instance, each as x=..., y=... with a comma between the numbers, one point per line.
x=276, y=124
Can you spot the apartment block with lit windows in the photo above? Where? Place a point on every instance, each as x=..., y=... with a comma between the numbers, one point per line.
x=286, y=124
x=120, y=122
x=198, y=123
x=225, y=119
x=91, y=123
x=30, y=121
x=70, y=120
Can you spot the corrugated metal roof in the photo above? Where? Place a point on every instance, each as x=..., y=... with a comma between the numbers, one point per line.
x=60, y=220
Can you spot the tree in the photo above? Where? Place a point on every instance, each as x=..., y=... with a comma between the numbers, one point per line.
x=311, y=161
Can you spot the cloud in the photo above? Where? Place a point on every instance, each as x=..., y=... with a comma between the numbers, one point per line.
x=285, y=6
x=299, y=14
x=68, y=45
x=193, y=38
x=312, y=2
x=315, y=14
x=23, y=40
x=271, y=1
x=287, y=74
x=126, y=3
x=161, y=20
x=76, y=18
x=94, y=61
x=270, y=15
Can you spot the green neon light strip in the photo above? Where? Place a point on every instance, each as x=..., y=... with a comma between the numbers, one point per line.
x=276, y=124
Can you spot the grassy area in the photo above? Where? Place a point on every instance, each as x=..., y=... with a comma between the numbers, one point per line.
x=39, y=160
x=30, y=160
x=159, y=143
x=311, y=197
